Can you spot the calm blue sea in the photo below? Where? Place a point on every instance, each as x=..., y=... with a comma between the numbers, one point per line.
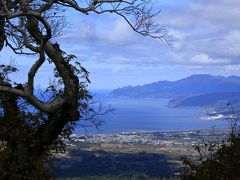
x=142, y=114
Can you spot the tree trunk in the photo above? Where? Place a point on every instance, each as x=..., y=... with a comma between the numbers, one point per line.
x=27, y=146
x=2, y=33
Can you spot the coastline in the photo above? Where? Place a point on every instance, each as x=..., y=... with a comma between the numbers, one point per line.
x=185, y=138
x=139, y=131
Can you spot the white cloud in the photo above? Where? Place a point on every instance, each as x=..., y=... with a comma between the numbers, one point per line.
x=204, y=59
x=119, y=32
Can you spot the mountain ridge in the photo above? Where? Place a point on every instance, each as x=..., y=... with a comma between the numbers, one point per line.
x=190, y=86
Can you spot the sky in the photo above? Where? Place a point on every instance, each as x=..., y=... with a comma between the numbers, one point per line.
x=206, y=40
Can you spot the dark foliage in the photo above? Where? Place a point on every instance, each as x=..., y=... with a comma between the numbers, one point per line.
x=22, y=153
x=219, y=159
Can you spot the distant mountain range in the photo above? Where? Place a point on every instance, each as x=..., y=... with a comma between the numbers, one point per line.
x=195, y=90
x=211, y=99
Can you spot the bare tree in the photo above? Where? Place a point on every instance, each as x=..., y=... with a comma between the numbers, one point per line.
x=28, y=27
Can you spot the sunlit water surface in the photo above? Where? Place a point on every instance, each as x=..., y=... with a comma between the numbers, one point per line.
x=145, y=114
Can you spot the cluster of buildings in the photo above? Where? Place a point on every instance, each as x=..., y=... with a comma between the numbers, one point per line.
x=162, y=139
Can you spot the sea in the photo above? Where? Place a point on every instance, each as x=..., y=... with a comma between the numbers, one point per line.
x=147, y=114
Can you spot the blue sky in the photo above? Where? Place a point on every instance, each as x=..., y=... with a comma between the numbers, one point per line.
x=207, y=40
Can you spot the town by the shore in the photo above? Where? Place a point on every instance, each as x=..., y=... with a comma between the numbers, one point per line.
x=128, y=155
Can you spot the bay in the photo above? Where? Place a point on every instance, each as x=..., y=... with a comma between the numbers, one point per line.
x=148, y=114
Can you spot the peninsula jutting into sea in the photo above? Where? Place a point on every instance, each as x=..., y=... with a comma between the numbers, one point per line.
x=192, y=91
x=195, y=102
